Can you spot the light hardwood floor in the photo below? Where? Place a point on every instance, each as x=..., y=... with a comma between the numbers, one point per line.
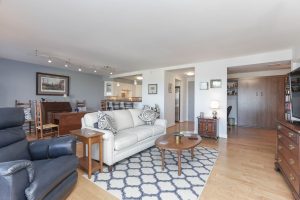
x=244, y=169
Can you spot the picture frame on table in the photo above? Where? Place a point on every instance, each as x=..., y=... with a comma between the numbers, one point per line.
x=152, y=88
x=52, y=84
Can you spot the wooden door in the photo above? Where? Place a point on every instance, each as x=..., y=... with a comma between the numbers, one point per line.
x=248, y=102
x=260, y=101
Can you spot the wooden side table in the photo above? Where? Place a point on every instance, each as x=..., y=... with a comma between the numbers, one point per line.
x=90, y=137
x=208, y=127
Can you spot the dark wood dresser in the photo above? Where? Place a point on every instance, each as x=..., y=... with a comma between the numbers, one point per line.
x=287, y=155
x=208, y=127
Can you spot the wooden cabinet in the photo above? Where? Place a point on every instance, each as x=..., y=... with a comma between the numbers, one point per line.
x=208, y=127
x=260, y=101
x=287, y=155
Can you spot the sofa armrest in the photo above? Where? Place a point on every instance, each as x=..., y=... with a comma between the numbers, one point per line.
x=161, y=122
x=15, y=176
x=52, y=148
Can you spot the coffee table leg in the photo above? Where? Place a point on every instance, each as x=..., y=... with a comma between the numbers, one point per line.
x=162, y=159
x=192, y=152
x=179, y=162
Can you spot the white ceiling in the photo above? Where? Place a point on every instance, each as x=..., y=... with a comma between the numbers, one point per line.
x=182, y=72
x=133, y=35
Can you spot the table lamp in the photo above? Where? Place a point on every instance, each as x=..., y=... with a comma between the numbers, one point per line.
x=214, y=105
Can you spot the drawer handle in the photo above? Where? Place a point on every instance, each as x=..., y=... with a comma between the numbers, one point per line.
x=292, y=178
x=279, y=127
x=291, y=161
x=279, y=147
x=279, y=136
x=291, y=147
x=291, y=134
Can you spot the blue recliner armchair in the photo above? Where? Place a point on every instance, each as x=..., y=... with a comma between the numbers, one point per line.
x=44, y=169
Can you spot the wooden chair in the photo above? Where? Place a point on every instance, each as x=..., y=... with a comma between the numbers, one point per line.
x=43, y=129
x=29, y=121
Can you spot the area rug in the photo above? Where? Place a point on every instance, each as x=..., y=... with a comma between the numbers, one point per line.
x=141, y=176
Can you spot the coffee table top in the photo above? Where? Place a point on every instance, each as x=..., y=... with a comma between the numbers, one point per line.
x=168, y=141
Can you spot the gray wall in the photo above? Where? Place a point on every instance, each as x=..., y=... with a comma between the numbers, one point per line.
x=18, y=81
x=191, y=97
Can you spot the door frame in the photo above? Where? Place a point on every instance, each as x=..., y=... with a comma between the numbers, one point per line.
x=178, y=87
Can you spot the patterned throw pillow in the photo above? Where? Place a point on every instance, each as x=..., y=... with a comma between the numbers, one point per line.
x=27, y=113
x=149, y=116
x=105, y=122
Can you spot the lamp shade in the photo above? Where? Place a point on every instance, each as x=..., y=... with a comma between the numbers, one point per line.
x=215, y=105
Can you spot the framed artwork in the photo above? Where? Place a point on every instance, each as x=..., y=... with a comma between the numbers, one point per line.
x=108, y=88
x=52, y=84
x=170, y=87
x=215, y=83
x=203, y=85
x=152, y=88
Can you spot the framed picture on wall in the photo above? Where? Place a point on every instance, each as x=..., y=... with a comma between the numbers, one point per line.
x=152, y=88
x=215, y=83
x=203, y=85
x=52, y=84
x=170, y=86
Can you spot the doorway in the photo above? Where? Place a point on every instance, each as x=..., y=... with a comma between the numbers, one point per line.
x=177, y=104
x=191, y=96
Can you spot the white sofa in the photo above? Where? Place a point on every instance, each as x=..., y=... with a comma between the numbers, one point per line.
x=133, y=135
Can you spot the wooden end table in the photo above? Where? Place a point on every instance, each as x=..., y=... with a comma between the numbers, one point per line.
x=169, y=142
x=90, y=137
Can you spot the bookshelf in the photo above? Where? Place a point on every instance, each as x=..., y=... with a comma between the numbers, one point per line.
x=287, y=100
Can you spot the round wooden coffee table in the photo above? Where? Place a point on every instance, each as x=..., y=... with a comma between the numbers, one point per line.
x=168, y=142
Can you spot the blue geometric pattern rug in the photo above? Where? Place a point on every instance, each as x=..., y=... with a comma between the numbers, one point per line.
x=141, y=176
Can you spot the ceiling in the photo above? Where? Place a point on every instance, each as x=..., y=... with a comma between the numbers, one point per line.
x=260, y=67
x=139, y=34
x=183, y=72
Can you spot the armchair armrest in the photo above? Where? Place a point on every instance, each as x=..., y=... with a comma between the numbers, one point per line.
x=13, y=167
x=52, y=148
x=15, y=177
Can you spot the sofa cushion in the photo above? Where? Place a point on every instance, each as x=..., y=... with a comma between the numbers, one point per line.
x=135, y=117
x=106, y=122
x=148, y=116
x=124, y=140
x=16, y=151
x=123, y=119
x=142, y=132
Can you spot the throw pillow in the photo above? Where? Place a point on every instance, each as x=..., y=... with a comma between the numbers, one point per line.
x=149, y=116
x=105, y=122
x=27, y=113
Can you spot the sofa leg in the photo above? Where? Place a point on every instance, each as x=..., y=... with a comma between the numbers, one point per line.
x=110, y=168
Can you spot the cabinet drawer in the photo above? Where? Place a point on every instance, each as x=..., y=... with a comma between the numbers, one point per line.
x=290, y=175
x=290, y=158
x=288, y=133
x=288, y=144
